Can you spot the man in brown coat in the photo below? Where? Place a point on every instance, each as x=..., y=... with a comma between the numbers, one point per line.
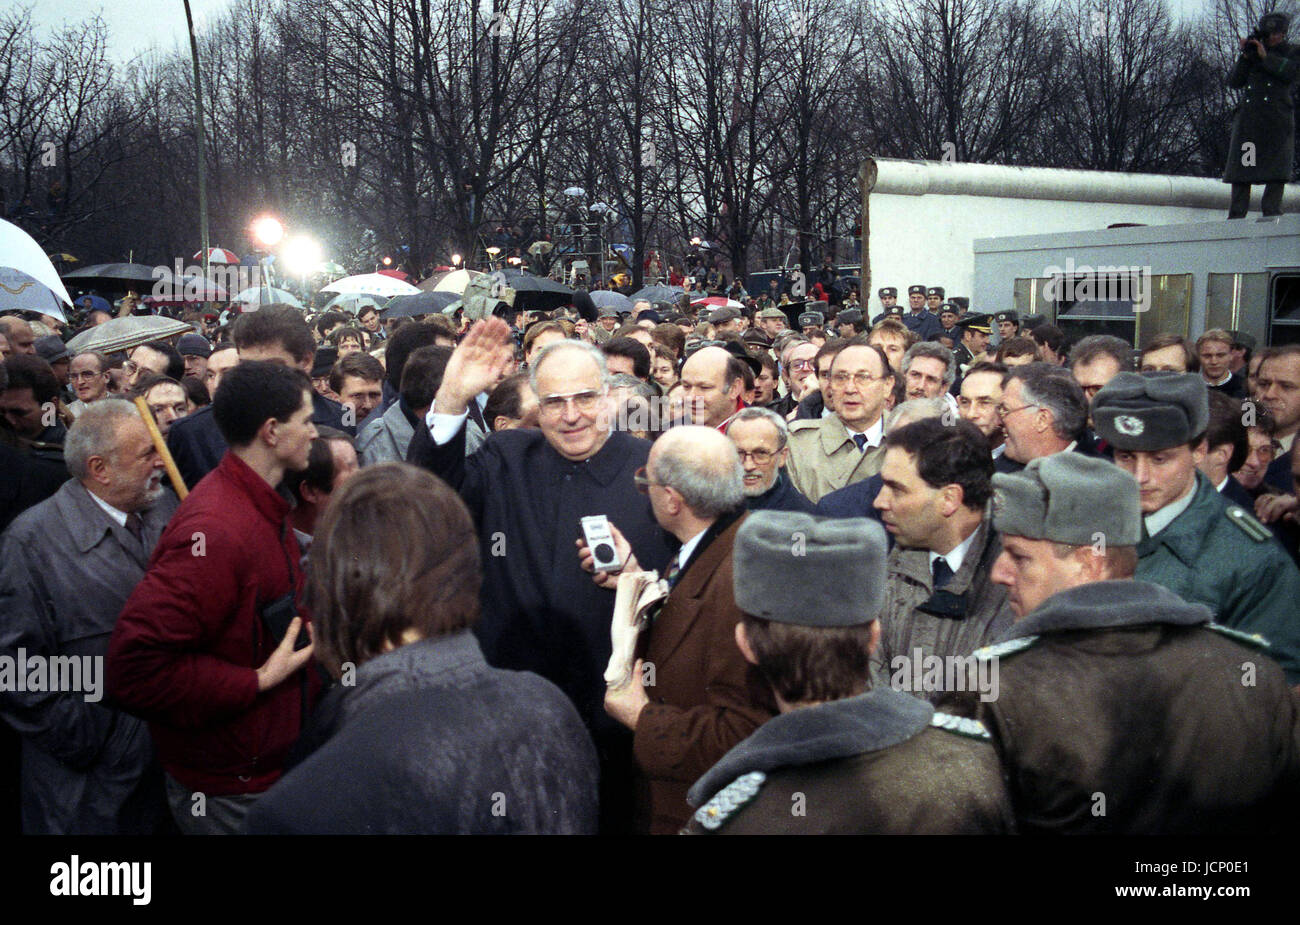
x=940, y=605
x=696, y=696
x=1122, y=709
x=843, y=757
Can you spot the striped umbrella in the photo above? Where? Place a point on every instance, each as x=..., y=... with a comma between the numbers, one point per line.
x=219, y=255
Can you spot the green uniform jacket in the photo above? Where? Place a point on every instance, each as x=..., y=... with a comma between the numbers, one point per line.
x=1265, y=116
x=881, y=763
x=1121, y=711
x=1216, y=554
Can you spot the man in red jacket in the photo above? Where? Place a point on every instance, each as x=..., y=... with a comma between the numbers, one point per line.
x=208, y=647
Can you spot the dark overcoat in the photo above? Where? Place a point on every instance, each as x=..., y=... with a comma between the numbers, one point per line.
x=1265, y=117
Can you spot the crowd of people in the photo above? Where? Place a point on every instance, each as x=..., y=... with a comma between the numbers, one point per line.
x=921, y=570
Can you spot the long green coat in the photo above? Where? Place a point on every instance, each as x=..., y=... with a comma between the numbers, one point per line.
x=1217, y=554
x=1265, y=116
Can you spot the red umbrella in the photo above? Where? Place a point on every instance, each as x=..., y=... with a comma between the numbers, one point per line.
x=219, y=255
x=396, y=274
x=717, y=301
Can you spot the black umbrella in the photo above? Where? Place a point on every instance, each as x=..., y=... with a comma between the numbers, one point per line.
x=532, y=293
x=418, y=303
x=115, y=275
x=522, y=281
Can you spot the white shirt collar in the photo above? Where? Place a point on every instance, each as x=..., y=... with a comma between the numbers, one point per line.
x=1169, y=513
x=684, y=554
x=119, y=517
x=958, y=554
x=1222, y=381
x=1219, y=487
x=875, y=433
x=997, y=450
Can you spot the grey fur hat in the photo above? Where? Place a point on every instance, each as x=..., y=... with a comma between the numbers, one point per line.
x=791, y=567
x=1152, y=411
x=1068, y=498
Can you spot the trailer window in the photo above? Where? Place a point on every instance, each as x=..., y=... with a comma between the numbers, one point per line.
x=1127, y=305
x=1285, y=326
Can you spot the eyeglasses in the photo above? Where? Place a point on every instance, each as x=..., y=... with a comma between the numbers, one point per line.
x=643, y=481
x=801, y=364
x=760, y=457
x=861, y=380
x=1005, y=412
x=585, y=402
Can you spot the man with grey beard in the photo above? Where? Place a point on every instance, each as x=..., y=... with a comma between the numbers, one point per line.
x=67, y=566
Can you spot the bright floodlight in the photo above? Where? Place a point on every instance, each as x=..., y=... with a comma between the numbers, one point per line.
x=267, y=231
x=455, y=260
x=493, y=250
x=302, y=255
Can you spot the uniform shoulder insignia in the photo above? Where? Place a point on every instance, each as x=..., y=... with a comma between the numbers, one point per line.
x=739, y=793
x=961, y=725
x=1005, y=648
x=1254, y=640
x=1248, y=524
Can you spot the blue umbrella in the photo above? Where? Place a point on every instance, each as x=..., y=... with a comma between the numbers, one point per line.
x=657, y=294
x=608, y=298
x=97, y=304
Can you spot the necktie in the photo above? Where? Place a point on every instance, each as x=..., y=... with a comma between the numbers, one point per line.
x=672, y=572
x=135, y=526
x=942, y=573
x=861, y=441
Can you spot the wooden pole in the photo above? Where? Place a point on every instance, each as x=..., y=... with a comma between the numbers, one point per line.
x=160, y=445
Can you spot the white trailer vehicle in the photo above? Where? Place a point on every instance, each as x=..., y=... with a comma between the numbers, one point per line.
x=1041, y=241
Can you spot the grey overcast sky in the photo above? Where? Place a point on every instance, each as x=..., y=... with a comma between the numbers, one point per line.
x=136, y=25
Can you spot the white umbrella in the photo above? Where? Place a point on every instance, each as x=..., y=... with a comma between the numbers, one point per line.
x=124, y=333
x=353, y=302
x=20, y=251
x=21, y=292
x=450, y=281
x=257, y=296
x=376, y=284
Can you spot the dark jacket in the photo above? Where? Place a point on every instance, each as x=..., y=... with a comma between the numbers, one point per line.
x=783, y=405
x=431, y=741
x=196, y=443
x=870, y=765
x=706, y=697
x=1004, y=463
x=782, y=496
x=26, y=481
x=924, y=323
x=1217, y=554
x=186, y=648
x=1120, y=711
x=811, y=407
x=66, y=570
x=1235, y=387
x=541, y=611
x=1235, y=493
x=1265, y=117
x=966, y=614
x=856, y=500
x=1279, y=475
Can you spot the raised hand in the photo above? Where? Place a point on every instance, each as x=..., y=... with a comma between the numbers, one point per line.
x=475, y=366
